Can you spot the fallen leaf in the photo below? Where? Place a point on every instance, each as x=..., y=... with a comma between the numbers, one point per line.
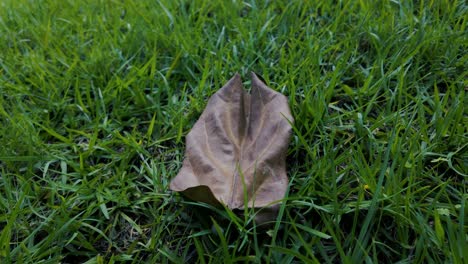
x=236, y=152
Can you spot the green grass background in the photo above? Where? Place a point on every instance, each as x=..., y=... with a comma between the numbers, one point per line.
x=97, y=96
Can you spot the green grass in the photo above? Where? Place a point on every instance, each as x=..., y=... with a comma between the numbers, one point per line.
x=97, y=96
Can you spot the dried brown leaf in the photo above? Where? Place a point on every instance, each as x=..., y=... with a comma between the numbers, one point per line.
x=238, y=148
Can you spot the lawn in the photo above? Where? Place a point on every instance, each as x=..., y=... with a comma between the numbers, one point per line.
x=96, y=98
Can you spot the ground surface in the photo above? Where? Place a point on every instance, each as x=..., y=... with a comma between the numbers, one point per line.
x=96, y=98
